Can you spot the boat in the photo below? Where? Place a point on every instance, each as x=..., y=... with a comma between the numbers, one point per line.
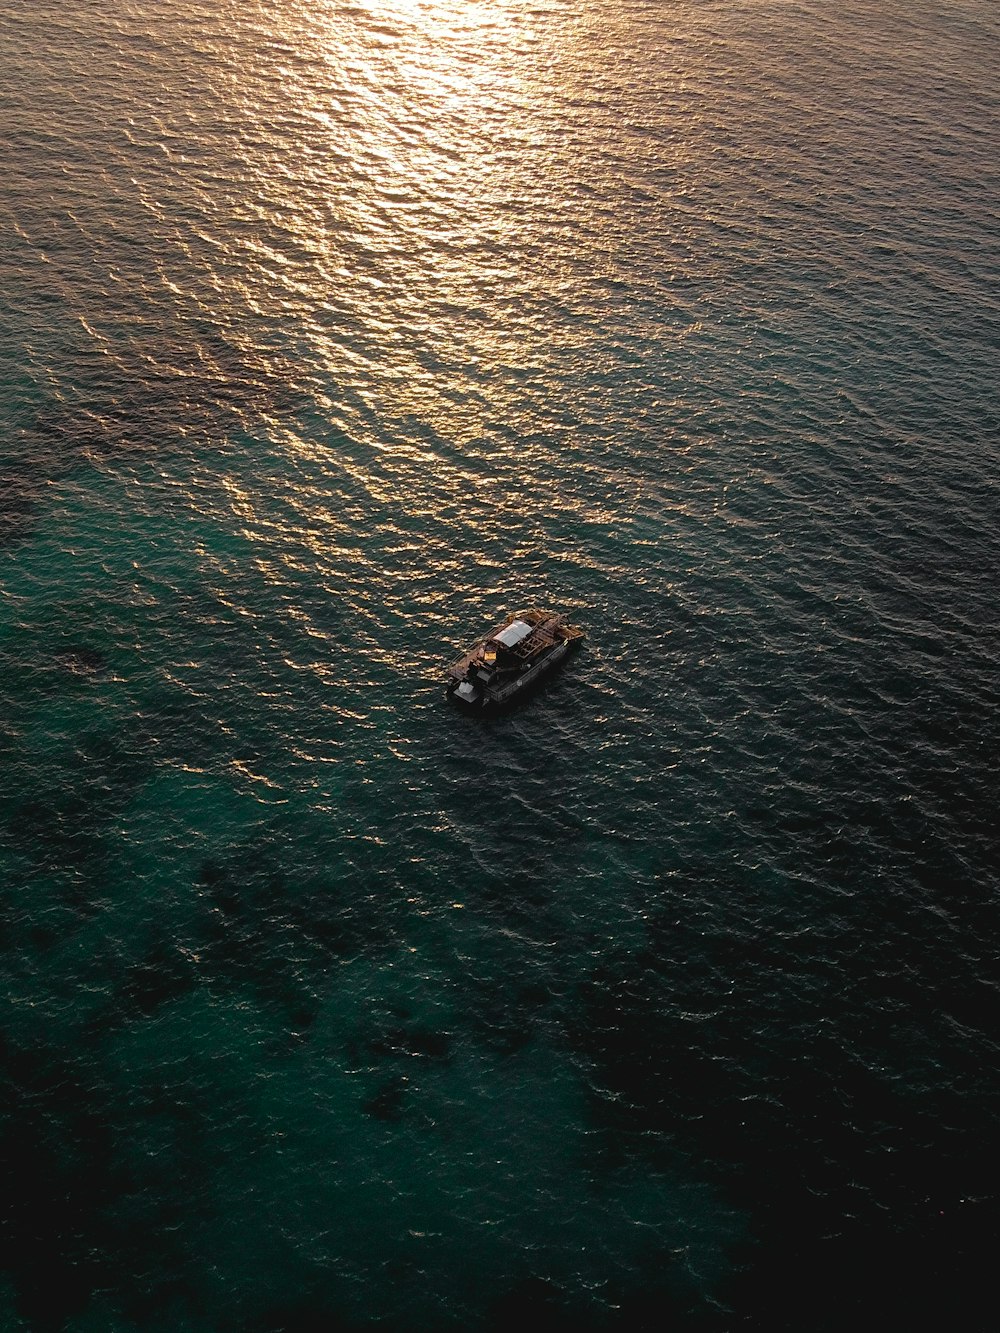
x=511, y=658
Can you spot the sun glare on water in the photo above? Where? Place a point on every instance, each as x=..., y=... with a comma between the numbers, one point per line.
x=429, y=12
x=418, y=117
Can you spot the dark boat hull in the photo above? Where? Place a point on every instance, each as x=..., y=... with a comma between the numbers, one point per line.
x=492, y=698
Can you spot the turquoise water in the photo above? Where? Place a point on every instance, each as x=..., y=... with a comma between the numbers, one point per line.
x=330, y=333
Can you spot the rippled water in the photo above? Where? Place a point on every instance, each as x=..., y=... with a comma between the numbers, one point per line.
x=331, y=331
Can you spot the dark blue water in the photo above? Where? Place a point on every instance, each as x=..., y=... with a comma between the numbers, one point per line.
x=330, y=333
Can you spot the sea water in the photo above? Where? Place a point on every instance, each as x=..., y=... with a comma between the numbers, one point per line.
x=330, y=333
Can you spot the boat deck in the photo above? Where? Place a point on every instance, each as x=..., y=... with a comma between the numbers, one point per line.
x=547, y=632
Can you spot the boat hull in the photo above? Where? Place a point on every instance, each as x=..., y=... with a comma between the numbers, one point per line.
x=492, y=698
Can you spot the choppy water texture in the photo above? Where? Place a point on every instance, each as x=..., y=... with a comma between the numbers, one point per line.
x=330, y=331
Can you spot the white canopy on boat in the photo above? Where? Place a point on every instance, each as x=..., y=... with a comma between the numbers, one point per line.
x=514, y=633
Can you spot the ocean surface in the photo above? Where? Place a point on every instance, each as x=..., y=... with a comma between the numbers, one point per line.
x=331, y=332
